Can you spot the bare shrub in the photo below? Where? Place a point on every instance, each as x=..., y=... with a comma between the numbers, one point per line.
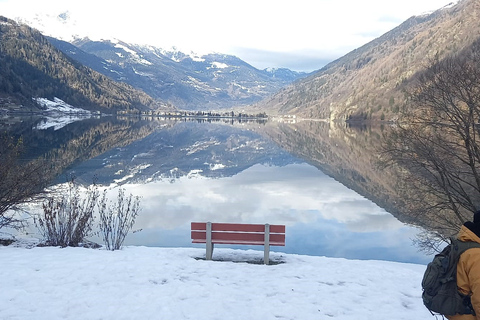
x=118, y=218
x=68, y=217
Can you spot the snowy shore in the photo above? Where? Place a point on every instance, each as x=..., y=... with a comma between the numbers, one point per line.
x=176, y=283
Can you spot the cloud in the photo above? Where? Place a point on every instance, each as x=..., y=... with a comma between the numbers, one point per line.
x=301, y=34
x=299, y=61
x=295, y=194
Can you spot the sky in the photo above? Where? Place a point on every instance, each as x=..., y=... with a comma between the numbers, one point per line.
x=177, y=283
x=302, y=35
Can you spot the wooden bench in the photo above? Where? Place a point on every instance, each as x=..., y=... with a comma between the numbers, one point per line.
x=236, y=233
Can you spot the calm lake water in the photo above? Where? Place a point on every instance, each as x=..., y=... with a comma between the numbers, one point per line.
x=322, y=216
x=190, y=171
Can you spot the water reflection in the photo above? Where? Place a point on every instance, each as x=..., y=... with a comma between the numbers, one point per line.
x=322, y=216
x=236, y=173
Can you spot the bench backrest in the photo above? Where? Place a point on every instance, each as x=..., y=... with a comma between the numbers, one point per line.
x=236, y=233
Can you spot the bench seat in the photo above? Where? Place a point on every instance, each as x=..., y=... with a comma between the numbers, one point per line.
x=238, y=234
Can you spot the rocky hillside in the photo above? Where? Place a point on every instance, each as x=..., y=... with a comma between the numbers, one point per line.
x=369, y=83
x=30, y=67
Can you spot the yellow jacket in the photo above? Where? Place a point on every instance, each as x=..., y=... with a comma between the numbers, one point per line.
x=468, y=274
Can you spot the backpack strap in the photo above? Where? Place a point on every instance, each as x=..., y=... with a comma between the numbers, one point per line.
x=462, y=246
x=459, y=247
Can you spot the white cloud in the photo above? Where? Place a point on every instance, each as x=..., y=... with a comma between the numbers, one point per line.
x=296, y=28
x=291, y=195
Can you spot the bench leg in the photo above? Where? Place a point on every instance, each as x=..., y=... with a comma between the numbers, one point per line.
x=266, y=255
x=266, y=246
x=209, y=243
x=209, y=251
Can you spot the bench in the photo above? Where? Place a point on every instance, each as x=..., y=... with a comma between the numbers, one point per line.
x=237, y=233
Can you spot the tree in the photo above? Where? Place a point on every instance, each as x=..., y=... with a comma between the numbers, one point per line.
x=436, y=144
x=20, y=181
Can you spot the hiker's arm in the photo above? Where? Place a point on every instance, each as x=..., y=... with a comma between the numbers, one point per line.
x=472, y=270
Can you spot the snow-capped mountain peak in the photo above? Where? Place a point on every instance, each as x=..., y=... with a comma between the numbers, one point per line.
x=186, y=80
x=59, y=25
x=447, y=6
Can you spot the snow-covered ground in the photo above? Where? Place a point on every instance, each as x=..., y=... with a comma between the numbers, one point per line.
x=60, y=106
x=59, y=114
x=172, y=283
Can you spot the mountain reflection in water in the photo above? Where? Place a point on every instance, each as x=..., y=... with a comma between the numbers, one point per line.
x=322, y=216
x=216, y=172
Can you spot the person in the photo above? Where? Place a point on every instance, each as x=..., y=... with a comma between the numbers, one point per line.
x=468, y=268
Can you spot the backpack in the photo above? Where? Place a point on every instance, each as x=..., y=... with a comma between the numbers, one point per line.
x=440, y=294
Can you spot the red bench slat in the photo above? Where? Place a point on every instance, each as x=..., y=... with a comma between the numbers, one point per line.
x=238, y=237
x=232, y=233
x=235, y=227
x=242, y=242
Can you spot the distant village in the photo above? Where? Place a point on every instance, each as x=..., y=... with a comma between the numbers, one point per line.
x=198, y=114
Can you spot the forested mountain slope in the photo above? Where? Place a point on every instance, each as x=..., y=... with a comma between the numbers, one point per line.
x=30, y=67
x=369, y=83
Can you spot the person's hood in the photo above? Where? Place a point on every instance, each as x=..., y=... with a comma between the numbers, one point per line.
x=465, y=234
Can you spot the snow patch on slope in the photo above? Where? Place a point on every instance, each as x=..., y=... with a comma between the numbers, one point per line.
x=219, y=65
x=136, y=57
x=59, y=114
x=448, y=6
x=59, y=106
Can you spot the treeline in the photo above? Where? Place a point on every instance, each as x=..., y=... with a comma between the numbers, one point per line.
x=31, y=67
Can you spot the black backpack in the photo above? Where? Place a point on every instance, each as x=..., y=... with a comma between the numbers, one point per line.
x=439, y=284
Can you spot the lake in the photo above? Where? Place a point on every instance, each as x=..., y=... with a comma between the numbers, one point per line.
x=224, y=172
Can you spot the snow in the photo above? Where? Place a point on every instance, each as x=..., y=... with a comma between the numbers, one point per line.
x=447, y=6
x=57, y=123
x=58, y=105
x=144, y=62
x=200, y=85
x=219, y=65
x=133, y=171
x=143, y=74
x=196, y=173
x=134, y=54
x=217, y=166
x=195, y=57
x=177, y=283
x=125, y=48
x=59, y=114
x=270, y=70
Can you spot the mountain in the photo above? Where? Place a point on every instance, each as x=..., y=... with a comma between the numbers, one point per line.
x=30, y=67
x=75, y=142
x=369, y=83
x=180, y=149
x=208, y=82
x=140, y=150
x=188, y=81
